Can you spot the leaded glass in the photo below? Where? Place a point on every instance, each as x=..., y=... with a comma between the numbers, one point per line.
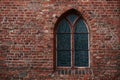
x=80, y=27
x=63, y=44
x=81, y=41
x=63, y=27
x=69, y=46
x=81, y=58
x=64, y=58
x=72, y=17
x=63, y=41
x=81, y=44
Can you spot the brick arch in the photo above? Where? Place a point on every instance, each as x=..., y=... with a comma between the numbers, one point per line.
x=66, y=12
x=80, y=11
x=86, y=16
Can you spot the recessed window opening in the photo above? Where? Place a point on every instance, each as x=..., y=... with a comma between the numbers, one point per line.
x=71, y=41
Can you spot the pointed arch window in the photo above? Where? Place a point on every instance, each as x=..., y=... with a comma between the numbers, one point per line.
x=71, y=42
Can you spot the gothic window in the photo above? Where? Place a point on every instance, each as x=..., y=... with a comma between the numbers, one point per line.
x=71, y=42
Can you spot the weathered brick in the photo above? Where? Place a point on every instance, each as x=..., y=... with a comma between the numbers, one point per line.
x=27, y=38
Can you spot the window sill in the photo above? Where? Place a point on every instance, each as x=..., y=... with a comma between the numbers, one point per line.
x=80, y=71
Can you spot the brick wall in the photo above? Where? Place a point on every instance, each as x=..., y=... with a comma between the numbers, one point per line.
x=26, y=39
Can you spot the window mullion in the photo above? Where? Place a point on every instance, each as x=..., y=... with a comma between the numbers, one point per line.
x=72, y=45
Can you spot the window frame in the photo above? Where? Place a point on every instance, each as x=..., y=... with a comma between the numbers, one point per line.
x=72, y=40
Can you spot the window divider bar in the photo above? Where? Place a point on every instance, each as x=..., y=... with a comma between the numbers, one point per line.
x=81, y=33
x=64, y=50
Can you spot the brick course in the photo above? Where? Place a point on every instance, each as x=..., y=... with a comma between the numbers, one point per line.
x=27, y=38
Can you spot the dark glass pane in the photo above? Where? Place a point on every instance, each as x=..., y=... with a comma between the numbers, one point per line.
x=63, y=27
x=72, y=17
x=81, y=41
x=81, y=58
x=63, y=42
x=80, y=27
x=63, y=58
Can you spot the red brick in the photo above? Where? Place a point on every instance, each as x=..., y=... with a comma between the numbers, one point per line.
x=26, y=38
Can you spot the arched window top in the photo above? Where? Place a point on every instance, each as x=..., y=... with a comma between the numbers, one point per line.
x=63, y=27
x=72, y=17
x=80, y=27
